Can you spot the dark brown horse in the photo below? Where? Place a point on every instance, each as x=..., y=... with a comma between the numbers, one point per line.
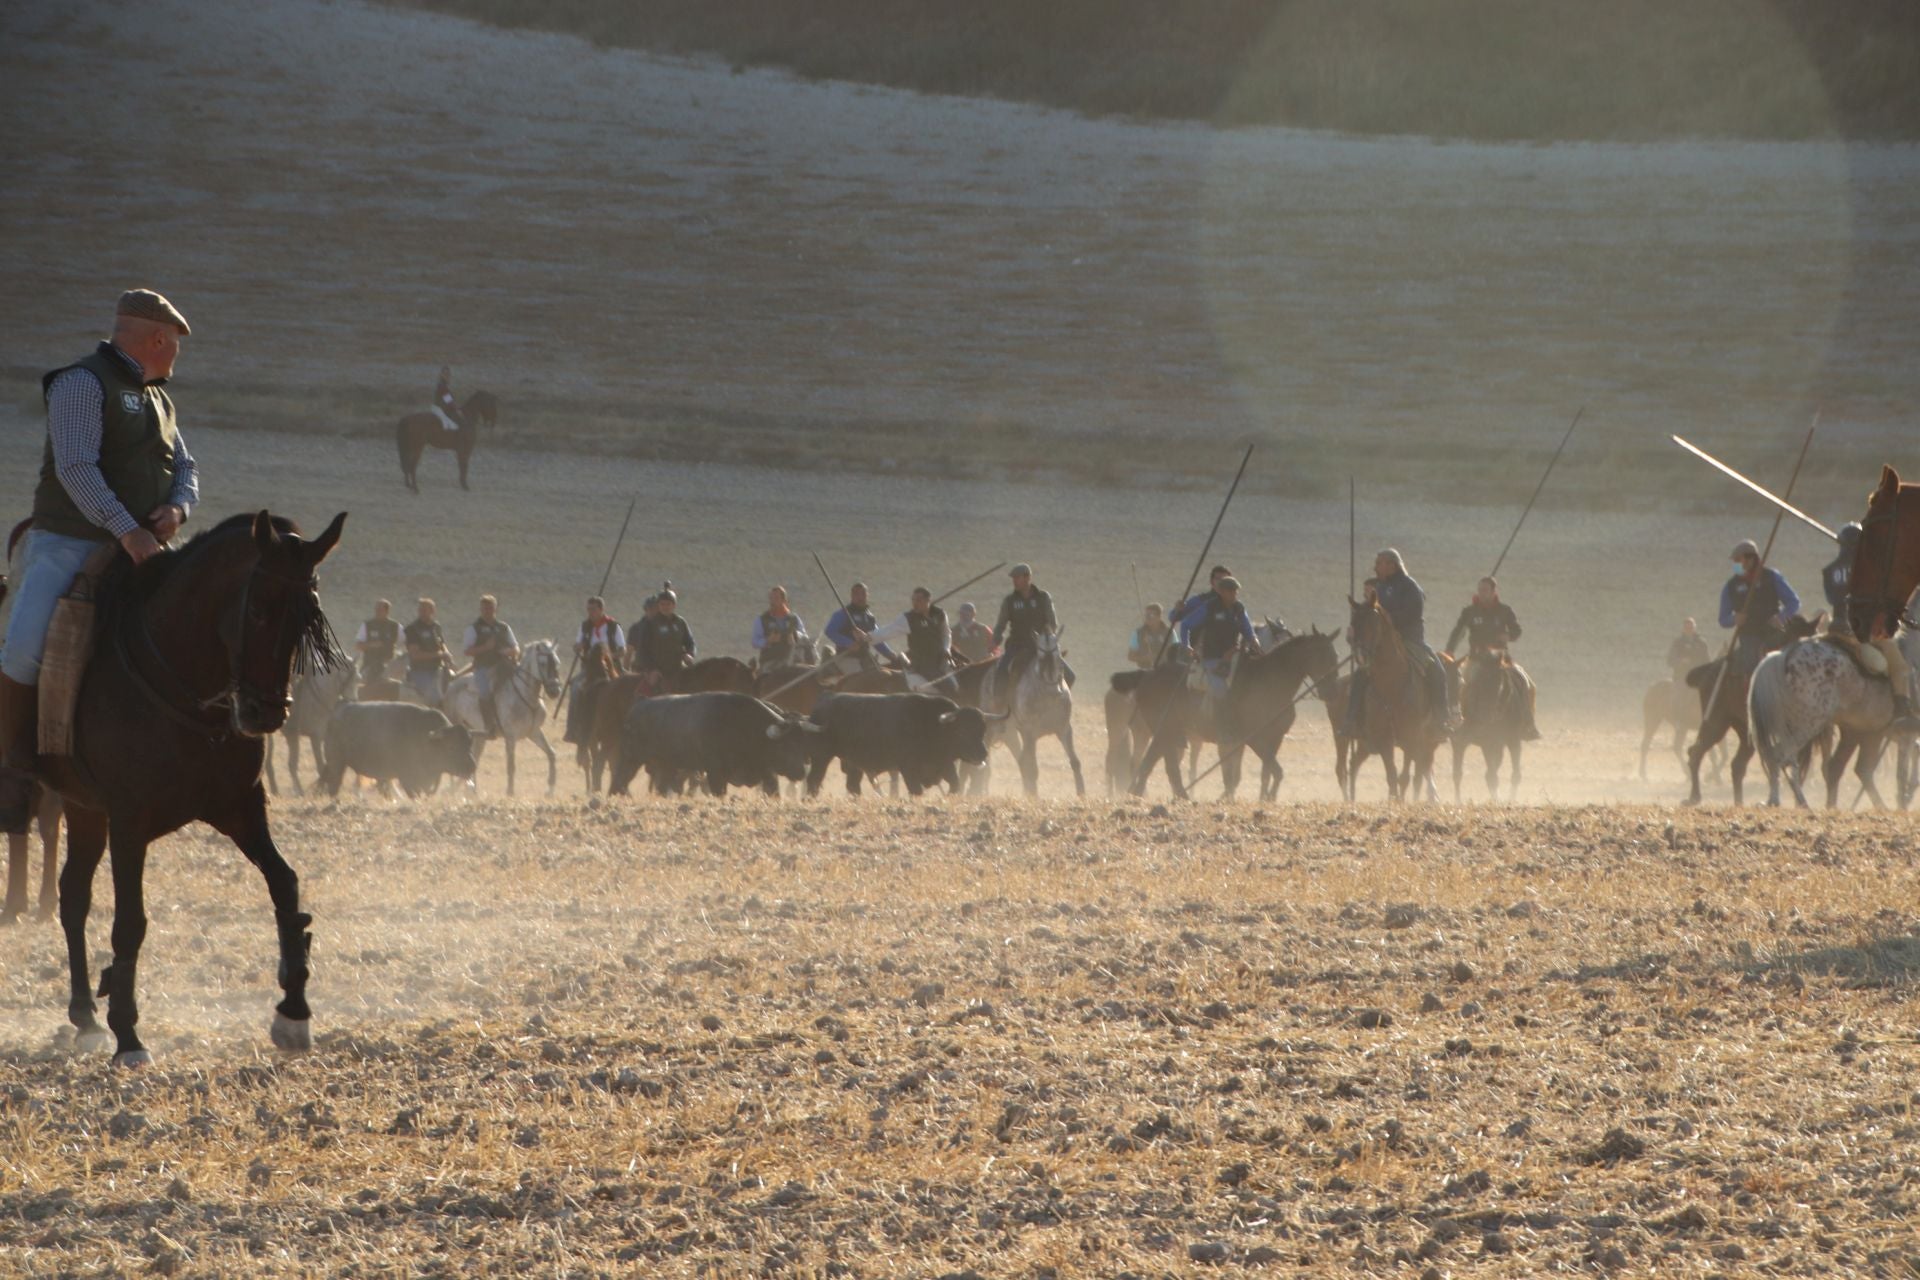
x=1728, y=714
x=1395, y=711
x=195, y=653
x=422, y=431
x=1494, y=696
x=611, y=702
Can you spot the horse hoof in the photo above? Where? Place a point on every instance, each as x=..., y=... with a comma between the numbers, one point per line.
x=293, y=1035
x=90, y=1039
x=133, y=1059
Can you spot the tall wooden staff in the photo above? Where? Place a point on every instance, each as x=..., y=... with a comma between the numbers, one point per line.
x=605, y=578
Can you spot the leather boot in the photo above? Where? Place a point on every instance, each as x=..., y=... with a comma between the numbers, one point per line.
x=20, y=742
x=1905, y=723
x=490, y=715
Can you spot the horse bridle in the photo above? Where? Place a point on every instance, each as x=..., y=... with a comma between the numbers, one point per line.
x=236, y=686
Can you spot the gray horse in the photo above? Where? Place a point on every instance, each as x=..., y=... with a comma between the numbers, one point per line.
x=518, y=702
x=1803, y=691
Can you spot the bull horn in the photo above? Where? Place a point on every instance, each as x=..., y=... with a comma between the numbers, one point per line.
x=779, y=730
x=808, y=726
x=948, y=717
x=995, y=715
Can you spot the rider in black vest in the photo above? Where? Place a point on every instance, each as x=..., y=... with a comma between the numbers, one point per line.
x=493, y=648
x=665, y=645
x=1026, y=613
x=929, y=640
x=426, y=653
x=777, y=632
x=379, y=641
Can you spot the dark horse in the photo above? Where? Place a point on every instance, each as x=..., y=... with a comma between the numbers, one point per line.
x=1394, y=711
x=1258, y=712
x=600, y=741
x=421, y=431
x=1727, y=714
x=194, y=657
x=1493, y=711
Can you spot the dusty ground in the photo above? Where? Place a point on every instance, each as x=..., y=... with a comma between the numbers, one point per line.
x=742, y=1039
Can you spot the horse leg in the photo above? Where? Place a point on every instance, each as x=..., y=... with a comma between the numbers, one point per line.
x=1864, y=768
x=1030, y=763
x=1459, y=766
x=1740, y=759
x=1695, y=754
x=292, y=1023
x=1513, y=780
x=273, y=783
x=1393, y=773
x=17, y=851
x=1073, y=758
x=539, y=737
x=127, y=853
x=51, y=810
x=293, y=763
x=1492, y=753
x=464, y=453
x=86, y=845
x=506, y=741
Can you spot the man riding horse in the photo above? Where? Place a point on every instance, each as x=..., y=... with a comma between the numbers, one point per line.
x=929, y=639
x=1188, y=613
x=445, y=407
x=491, y=644
x=1222, y=634
x=1835, y=581
x=1405, y=604
x=664, y=644
x=1490, y=627
x=1025, y=614
x=1149, y=638
x=114, y=467
x=598, y=631
x=778, y=633
x=850, y=631
x=427, y=658
x=1687, y=651
x=1755, y=604
x=972, y=638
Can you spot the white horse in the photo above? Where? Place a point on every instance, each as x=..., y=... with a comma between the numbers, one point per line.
x=1041, y=706
x=517, y=701
x=1799, y=693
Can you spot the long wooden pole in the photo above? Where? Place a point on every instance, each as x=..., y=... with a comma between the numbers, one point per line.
x=1495, y=571
x=566, y=686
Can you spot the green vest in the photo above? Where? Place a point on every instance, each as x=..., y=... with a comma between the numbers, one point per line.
x=137, y=440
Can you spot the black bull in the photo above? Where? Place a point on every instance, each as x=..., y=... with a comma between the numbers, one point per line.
x=733, y=739
x=922, y=738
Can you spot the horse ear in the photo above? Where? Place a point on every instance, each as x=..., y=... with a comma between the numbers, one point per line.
x=263, y=532
x=1889, y=479
x=329, y=537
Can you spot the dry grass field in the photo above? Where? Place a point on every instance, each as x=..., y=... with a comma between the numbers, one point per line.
x=928, y=1039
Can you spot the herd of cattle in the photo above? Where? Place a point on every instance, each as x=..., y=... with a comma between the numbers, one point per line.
x=718, y=740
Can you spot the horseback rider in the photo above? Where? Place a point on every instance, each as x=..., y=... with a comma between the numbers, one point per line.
x=1025, y=615
x=1755, y=604
x=929, y=640
x=664, y=645
x=1490, y=628
x=850, y=631
x=1149, y=638
x=1835, y=578
x=778, y=632
x=598, y=630
x=1188, y=614
x=972, y=638
x=490, y=643
x=445, y=407
x=427, y=658
x=1405, y=604
x=1222, y=633
x=1687, y=651
x=378, y=641
x=114, y=468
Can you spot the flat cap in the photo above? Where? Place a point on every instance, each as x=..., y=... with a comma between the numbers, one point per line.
x=145, y=304
x=1020, y=571
x=1745, y=547
x=1227, y=584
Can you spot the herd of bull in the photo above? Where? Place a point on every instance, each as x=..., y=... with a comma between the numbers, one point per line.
x=717, y=740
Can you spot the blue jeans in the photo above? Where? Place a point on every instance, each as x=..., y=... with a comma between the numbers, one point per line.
x=426, y=682
x=48, y=565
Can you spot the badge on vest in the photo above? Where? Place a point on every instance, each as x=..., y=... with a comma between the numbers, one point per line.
x=132, y=402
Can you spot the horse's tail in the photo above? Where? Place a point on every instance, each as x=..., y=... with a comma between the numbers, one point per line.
x=1767, y=709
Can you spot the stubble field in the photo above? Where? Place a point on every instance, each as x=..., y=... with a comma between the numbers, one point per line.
x=1005, y=1040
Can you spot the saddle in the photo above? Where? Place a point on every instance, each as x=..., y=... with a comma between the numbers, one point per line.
x=69, y=648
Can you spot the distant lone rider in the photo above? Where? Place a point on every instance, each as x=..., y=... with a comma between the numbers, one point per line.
x=114, y=467
x=1755, y=604
x=445, y=407
x=426, y=653
x=777, y=633
x=378, y=641
x=490, y=643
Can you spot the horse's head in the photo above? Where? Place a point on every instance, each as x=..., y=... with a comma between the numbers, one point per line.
x=1362, y=618
x=805, y=653
x=1318, y=659
x=277, y=625
x=1047, y=666
x=543, y=661
x=1271, y=634
x=1886, y=562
